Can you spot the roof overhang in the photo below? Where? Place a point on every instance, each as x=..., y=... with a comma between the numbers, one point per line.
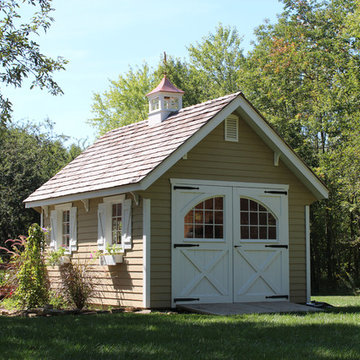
x=242, y=107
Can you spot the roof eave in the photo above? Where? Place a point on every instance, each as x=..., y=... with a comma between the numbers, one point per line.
x=84, y=195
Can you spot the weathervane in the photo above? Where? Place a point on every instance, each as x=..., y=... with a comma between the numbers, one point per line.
x=165, y=64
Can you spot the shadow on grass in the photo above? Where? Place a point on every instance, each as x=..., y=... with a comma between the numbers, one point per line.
x=345, y=310
x=185, y=336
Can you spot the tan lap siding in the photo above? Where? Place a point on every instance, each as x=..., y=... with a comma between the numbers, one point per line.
x=249, y=160
x=120, y=285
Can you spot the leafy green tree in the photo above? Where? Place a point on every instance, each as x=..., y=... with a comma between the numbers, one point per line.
x=214, y=70
x=303, y=75
x=20, y=55
x=29, y=156
x=218, y=61
x=125, y=102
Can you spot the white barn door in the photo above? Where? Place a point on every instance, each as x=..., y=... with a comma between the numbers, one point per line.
x=261, y=254
x=202, y=244
x=229, y=244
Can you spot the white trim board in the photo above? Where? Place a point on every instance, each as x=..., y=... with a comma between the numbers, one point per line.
x=308, y=261
x=146, y=251
x=229, y=183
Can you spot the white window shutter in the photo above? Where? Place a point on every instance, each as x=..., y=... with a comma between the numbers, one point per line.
x=53, y=232
x=101, y=226
x=73, y=229
x=126, y=239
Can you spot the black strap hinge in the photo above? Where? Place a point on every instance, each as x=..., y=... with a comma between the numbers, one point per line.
x=185, y=188
x=186, y=299
x=275, y=192
x=277, y=246
x=277, y=297
x=185, y=245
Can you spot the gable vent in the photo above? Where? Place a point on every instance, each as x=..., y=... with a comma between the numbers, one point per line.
x=232, y=128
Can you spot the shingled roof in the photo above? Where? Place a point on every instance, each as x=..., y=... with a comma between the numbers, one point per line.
x=128, y=154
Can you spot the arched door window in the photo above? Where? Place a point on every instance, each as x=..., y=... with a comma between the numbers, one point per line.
x=205, y=220
x=256, y=222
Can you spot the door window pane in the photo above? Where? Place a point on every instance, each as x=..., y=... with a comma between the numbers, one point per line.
x=205, y=220
x=256, y=221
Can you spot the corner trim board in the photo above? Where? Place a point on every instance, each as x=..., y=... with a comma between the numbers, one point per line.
x=308, y=264
x=146, y=251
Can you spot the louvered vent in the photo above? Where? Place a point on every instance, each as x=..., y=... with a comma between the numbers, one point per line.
x=232, y=128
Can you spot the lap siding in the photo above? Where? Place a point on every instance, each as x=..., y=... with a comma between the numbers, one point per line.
x=120, y=285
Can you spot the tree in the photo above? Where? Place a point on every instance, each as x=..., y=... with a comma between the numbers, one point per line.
x=214, y=70
x=304, y=76
x=20, y=56
x=218, y=61
x=125, y=102
x=29, y=156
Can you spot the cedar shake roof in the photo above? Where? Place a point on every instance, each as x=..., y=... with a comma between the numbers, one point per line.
x=165, y=86
x=128, y=154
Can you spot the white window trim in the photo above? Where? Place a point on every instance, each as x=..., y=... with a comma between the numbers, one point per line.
x=56, y=227
x=104, y=222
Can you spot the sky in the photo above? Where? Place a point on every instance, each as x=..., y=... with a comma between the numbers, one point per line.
x=101, y=39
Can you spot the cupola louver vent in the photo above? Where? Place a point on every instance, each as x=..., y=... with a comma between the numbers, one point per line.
x=232, y=128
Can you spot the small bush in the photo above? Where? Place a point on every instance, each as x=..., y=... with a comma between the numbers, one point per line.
x=77, y=284
x=9, y=279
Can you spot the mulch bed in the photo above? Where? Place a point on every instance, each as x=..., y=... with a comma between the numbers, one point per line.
x=50, y=311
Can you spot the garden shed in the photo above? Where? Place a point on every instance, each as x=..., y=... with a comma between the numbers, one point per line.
x=208, y=203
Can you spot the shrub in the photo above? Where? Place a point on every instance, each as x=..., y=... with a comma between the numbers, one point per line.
x=33, y=285
x=77, y=284
x=9, y=281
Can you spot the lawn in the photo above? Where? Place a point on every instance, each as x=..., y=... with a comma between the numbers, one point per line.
x=334, y=334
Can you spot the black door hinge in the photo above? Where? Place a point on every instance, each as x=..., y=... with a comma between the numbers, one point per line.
x=277, y=246
x=275, y=192
x=185, y=188
x=185, y=245
x=186, y=299
x=277, y=297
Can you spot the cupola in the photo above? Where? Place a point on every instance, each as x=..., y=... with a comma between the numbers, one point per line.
x=163, y=100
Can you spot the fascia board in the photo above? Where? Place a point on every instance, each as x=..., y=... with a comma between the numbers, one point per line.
x=190, y=143
x=288, y=156
x=84, y=196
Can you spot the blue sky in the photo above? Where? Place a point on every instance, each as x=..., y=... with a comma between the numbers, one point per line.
x=102, y=38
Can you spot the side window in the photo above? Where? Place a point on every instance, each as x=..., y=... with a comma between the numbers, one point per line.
x=205, y=220
x=114, y=223
x=63, y=223
x=66, y=228
x=256, y=222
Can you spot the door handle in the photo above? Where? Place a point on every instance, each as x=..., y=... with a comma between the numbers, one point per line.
x=236, y=246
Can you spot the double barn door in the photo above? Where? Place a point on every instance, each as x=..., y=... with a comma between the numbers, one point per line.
x=229, y=243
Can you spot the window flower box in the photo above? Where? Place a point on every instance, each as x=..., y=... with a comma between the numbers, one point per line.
x=111, y=260
x=64, y=260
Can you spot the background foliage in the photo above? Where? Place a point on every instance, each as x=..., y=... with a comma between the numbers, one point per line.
x=20, y=55
x=29, y=155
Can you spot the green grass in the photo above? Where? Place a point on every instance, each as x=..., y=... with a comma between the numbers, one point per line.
x=334, y=334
